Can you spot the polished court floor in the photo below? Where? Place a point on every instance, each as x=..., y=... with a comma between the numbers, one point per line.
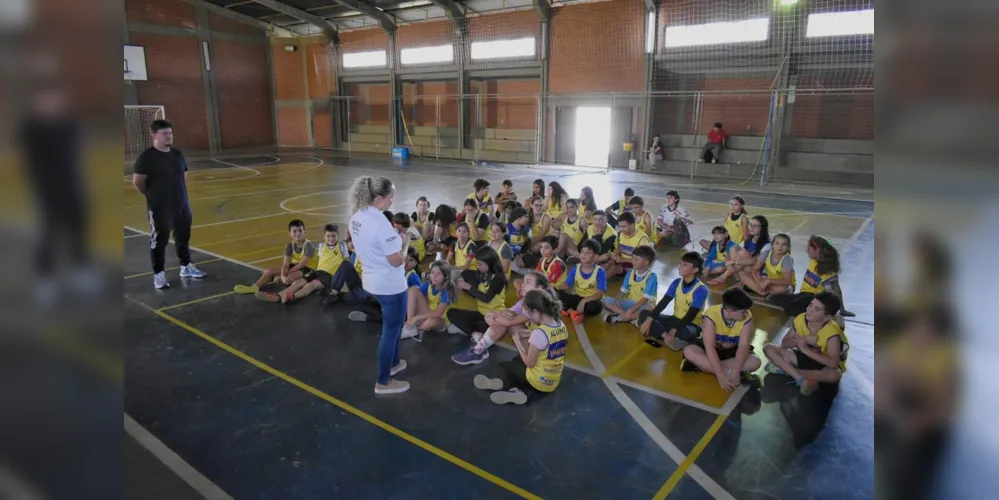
x=276, y=402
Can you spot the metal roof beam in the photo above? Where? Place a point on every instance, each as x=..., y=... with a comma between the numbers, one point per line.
x=269, y=28
x=454, y=11
x=328, y=28
x=386, y=21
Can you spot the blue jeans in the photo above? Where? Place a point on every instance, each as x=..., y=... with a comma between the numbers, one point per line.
x=393, y=317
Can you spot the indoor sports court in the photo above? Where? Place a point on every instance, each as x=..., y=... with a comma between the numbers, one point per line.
x=261, y=400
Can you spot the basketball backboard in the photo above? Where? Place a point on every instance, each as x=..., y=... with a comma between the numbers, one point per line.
x=135, y=63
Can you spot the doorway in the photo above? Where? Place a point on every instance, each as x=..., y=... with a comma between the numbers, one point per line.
x=592, y=134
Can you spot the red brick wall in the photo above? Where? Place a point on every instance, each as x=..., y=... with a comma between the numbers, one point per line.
x=598, y=47
x=520, y=24
x=292, y=129
x=511, y=104
x=419, y=101
x=174, y=69
x=175, y=79
x=288, y=68
x=244, y=94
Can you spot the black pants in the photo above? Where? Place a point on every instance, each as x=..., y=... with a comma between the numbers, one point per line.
x=571, y=301
x=161, y=222
x=794, y=304
x=467, y=321
x=514, y=376
x=666, y=322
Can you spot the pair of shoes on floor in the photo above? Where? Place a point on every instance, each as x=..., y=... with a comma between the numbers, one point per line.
x=189, y=271
x=499, y=397
x=575, y=316
x=394, y=386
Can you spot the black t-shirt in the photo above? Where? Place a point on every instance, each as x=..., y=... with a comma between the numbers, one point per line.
x=164, y=171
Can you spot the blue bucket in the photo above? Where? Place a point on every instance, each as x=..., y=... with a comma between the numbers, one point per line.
x=400, y=153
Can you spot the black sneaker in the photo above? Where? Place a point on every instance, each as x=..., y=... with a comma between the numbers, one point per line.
x=331, y=299
x=613, y=318
x=751, y=380
x=687, y=366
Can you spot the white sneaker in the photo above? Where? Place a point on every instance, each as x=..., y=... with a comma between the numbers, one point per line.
x=393, y=387
x=397, y=369
x=189, y=271
x=409, y=332
x=160, y=280
x=454, y=330
x=357, y=316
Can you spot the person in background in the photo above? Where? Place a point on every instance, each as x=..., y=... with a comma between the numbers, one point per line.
x=160, y=174
x=382, y=252
x=505, y=195
x=822, y=275
x=712, y=150
x=628, y=240
x=601, y=232
x=478, y=221
x=643, y=219
x=673, y=222
x=587, y=204
x=619, y=207
x=481, y=195
x=655, y=153
x=423, y=219
x=404, y=224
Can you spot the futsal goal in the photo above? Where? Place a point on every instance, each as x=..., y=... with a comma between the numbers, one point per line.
x=137, y=135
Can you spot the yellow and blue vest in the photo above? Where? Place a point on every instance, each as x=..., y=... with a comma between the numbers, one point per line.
x=547, y=372
x=830, y=330
x=627, y=244
x=735, y=230
x=329, y=259
x=683, y=300
x=813, y=282
x=573, y=229
x=726, y=334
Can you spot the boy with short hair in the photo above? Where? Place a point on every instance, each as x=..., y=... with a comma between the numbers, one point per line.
x=601, y=231
x=478, y=221
x=638, y=291
x=506, y=194
x=588, y=283
x=298, y=254
x=673, y=221
x=814, y=351
x=481, y=195
x=332, y=254
x=628, y=239
x=550, y=264
x=679, y=329
x=403, y=223
x=643, y=219
x=725, y=347
x=619, y=207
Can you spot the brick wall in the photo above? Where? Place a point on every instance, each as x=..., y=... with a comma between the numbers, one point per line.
x=598, y=47
x=173, y=61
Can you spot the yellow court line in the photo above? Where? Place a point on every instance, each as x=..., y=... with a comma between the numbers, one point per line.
x=195, y=301
x=799, y=226
x=354, y=411
x=680, y=471
x=96, y=359
x=617, y=366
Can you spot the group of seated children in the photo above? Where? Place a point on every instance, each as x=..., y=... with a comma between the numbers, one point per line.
x=564, y=251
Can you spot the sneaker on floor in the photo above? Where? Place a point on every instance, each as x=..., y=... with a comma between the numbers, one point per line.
x=514, y=396
x=268, y=297
x=613, y=318
x=332, y=299
x=357, y=316
x=470, y=357
x=160, y=280
x=688, y=366
x=751, y=380
x=774, y=369
x=808, y=387
x=676, y=344
x=189, y=271
x=409, y=332
x=576, y=316
x=246, y=289
x=485, y=383
x=398, y=368
x=393, y=387
x=454, y=330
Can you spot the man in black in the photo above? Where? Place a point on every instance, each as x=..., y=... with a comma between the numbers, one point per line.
x=160, y=174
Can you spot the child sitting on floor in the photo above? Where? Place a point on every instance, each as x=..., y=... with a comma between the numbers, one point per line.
x=638, y=291
x=719, y=250
x=814, y=351
x=298, y=254
x=403, y=223
x=725, y=347
x=679, y=329
x=332, y=255
x=512, y=321
x=429, y=302
x=588, y=284
x=537, y=370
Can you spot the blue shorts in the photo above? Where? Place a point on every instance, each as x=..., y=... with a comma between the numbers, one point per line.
x=712, y=265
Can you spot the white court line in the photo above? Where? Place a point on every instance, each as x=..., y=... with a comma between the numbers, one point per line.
x=244, y=195
x=134, y=236
x=177, y=465
x=253, y=172
x=643, y=421
x=206, y=252
x=306, y=212
x=666, y=395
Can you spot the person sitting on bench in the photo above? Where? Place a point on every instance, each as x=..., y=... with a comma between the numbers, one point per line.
x=712, y=150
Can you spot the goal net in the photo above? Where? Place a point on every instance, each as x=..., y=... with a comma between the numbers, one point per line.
x=137, y=134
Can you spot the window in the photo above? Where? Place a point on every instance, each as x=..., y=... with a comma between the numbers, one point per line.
x=750, y=30
x=521, y=47
x=364, y=59
x=440, y=53
x=650, y=33
x=857, y=22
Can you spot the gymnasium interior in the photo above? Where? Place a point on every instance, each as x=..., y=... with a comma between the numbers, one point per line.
x=279, y=105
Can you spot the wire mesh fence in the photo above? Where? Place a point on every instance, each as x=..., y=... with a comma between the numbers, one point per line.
x=138, y=137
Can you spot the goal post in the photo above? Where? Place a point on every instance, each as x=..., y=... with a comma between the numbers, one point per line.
x=137, y=134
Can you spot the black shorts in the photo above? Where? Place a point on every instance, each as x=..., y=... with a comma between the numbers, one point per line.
x=723, y=352
x=803, y=362
x=305, y=270
x=324, y=277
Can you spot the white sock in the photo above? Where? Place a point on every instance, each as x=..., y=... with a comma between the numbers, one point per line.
x=484, y=343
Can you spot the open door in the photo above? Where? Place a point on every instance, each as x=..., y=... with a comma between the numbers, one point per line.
x=565, y=135
x=621, y=127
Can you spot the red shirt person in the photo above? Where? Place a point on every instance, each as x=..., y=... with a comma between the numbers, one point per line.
x=717, y=137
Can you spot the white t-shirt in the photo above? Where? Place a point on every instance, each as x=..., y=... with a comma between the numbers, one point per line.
x=374, y=238
x=669, y=216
